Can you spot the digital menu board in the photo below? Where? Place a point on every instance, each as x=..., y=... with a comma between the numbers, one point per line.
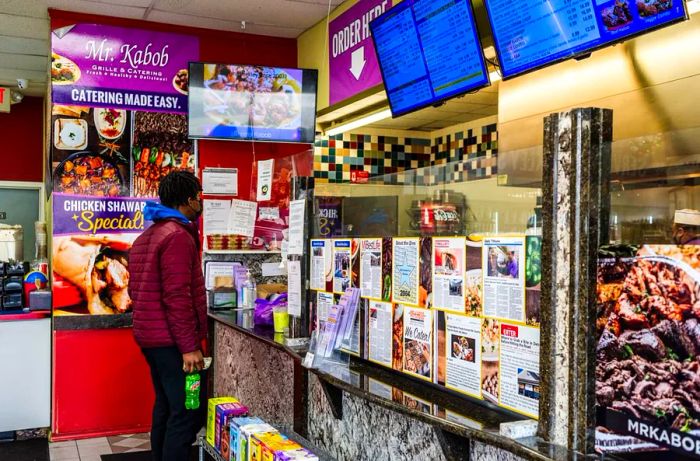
x=429, y=51
x=538, y=33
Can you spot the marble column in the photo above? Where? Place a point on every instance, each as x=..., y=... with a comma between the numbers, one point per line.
x=576, y=208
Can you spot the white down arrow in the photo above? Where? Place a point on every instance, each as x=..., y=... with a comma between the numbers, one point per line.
x=358, y=62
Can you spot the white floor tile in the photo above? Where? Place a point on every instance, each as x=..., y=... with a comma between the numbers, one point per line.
x=67, y=443
x=93, y=442
x=94, y=450
x=64, y=453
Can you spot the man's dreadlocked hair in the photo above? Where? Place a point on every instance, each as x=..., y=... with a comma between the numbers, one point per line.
x=177, y=188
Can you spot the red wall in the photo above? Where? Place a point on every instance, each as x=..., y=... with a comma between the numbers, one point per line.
x=23, y=139
x=101, y=381
x=224, y=47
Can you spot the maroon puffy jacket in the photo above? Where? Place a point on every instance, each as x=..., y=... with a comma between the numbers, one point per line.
x=167, y=287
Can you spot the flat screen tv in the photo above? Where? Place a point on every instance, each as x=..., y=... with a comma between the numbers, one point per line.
x=252, y=103
x=428, y=51
x=538, y=33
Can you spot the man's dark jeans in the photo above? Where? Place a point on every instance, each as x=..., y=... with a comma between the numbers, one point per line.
x=174, y=428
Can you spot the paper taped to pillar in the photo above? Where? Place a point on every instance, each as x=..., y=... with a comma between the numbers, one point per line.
x=104, y=66
x=352, y=60
x=92, y=237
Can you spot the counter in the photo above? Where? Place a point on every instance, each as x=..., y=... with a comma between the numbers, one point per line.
x=364, y=412
x=25, y=354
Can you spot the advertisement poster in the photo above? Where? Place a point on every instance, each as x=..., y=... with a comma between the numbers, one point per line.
x=504, y=278
x=90, y=255
x=490, y=356
x=418, y=342
x=134, y=69
x=406, y=275
x=648, y=337
x=448, y=273
x=371, y=268
x=321, y=265
x=462, y=352
x=324, y=302
x=160, y=146
x=342, y=265
x=397, y=338
x=328, y=221
x=353, y=61
x=520, y=369
x=380, y=332
x=473, y=280
x=533, y=279
x=416, y=403
x=264, y=187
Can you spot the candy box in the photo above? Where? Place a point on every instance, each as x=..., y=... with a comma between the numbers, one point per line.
x=224, y=412
x=300, y=454
x=235, y=425
x=211, y=416
x=244, y=439
x=276, y=445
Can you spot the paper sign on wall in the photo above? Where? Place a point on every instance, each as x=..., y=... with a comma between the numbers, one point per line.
x=294, y=288
x=242, y=218
x=222, y=181
x=216, y=216
x=296, y=227
x=265, y=169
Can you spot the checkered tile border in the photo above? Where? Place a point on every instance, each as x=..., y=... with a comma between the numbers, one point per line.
x=405, y=160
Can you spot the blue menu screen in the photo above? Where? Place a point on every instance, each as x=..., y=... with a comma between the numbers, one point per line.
x=540, y=32
x=428, y=51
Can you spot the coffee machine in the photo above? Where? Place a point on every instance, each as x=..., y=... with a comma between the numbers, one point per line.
x=12, y=285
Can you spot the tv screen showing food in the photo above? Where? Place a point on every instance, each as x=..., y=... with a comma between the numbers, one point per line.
x=244, y=102
x=537, y=33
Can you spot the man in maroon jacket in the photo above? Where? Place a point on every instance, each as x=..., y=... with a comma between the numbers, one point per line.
x=167, y=287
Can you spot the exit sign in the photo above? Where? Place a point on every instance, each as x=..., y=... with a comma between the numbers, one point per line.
x=4, y=99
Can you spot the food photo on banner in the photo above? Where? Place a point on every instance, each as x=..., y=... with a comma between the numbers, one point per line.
x=647, y=350
x=118, y=118
x=92, y=237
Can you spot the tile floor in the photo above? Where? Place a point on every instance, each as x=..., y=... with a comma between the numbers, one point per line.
x=92, y=449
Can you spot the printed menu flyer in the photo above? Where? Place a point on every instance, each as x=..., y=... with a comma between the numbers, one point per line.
x=342, y=265
x=324, y=302
x=463, y=354
x=520, y=369
x=418, y=342
x=321, y=262
x=380, y=332
x=504, y=278
x=448, y=273
x=371, y=268
x=405, y=271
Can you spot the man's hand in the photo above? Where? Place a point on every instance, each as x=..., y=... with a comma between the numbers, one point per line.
x=192, y=361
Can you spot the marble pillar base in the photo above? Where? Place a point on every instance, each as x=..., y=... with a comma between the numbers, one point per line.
x=255, y=373
x=367, y=431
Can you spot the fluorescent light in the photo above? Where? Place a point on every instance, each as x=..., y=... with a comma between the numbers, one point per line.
x=693, y=6
x=357, y=123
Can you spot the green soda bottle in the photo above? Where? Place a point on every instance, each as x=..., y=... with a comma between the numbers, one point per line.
x=192, y=384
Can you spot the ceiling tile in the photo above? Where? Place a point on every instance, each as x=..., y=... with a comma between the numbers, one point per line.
x=14, y=74
x=104, y=8
x=35, y=9
x=23, y=26
x=23, y=61
x=251, y=28
x=24, y=46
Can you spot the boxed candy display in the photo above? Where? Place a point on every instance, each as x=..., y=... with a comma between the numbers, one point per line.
x=264, y=446
x=245, y=438
x=300, y=454
x=211, y=416
x=224, y=412
x=235, y=425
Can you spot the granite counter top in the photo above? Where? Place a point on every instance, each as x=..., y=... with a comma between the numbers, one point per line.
x=262, y=333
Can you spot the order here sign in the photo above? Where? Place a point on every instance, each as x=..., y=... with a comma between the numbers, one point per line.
x=352, y=60
x=4, y=99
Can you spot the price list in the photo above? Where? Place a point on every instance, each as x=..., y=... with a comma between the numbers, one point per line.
x=398, y=46
x=539, y=31
x=450, y=45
